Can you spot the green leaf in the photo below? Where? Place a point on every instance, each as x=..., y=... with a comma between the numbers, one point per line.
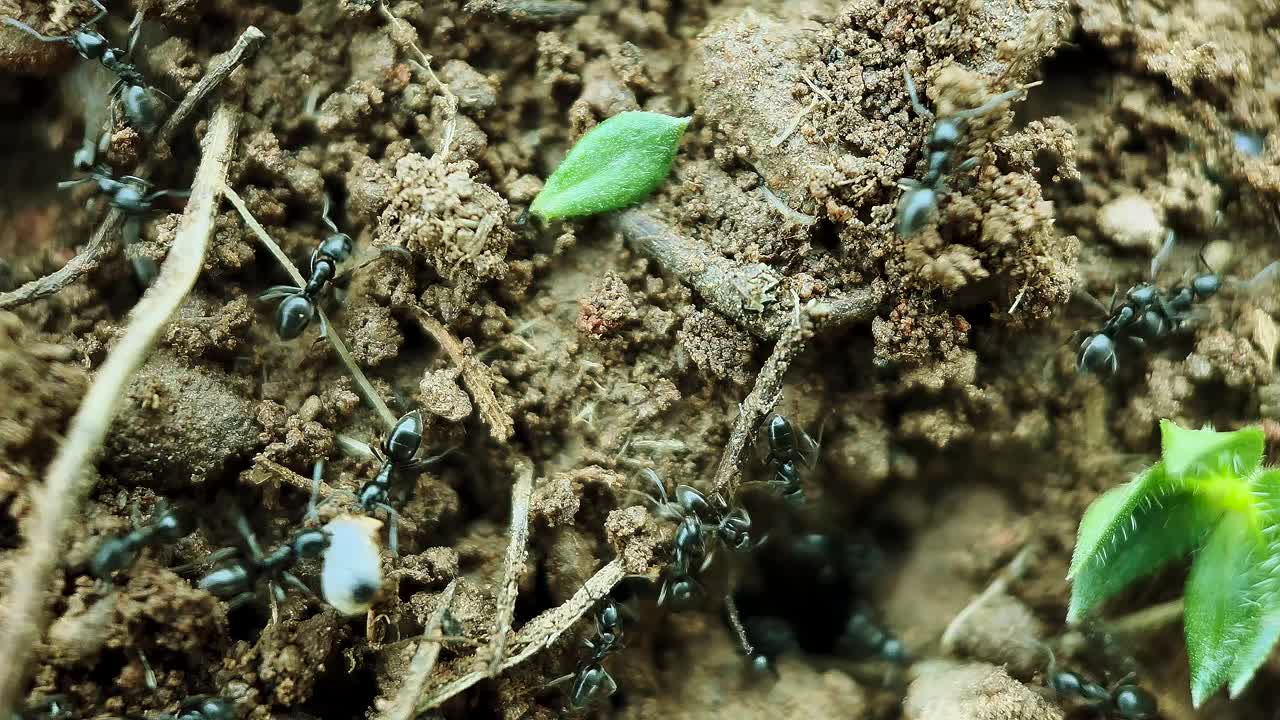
x=1200, y=452
x=1224, y=606
x=1157, y=535
x=1130, y=532
x=1265, y=487
x=618, y=163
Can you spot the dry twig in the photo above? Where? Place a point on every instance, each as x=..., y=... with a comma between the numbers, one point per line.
x=474, y=374
x=362, y=383
x=741, y=293
x=406, y=36
x=758, y=404
x=424, y=661
x=537, y=634
x=1010, y=574
x=512, y=566
x=529, y=11
x=67, y=479
x=101, y=242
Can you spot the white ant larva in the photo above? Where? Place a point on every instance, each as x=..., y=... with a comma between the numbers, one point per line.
x=352, y=572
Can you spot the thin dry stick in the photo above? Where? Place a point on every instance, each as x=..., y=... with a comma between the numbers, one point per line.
x=405, y=36
x=1136, y=623
x=101, y=242
x=512, y=566
x=735, y=621
x=731, y=288
x=424, y=661
x=758, y=404
x=66, y=481
x=537, y=634
x=1010, y=574
x=362, y=383
x=474, y=374
x=534, y=11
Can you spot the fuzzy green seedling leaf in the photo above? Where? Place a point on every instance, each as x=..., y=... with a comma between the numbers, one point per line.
x=618, y=163
x=1207, y=451
x=1209, y=494
x=1157, y=530
x=1223, y=609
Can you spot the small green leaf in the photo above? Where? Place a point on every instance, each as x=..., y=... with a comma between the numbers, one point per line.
x=1265, y=488
x=1200, y=452
x=1224, y=610
x=1158, y=533
x=618, y=163
x=1109, y=513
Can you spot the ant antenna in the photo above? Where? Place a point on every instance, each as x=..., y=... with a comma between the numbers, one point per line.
x=325, y=214
x=1203, y=260
x=1165, y=251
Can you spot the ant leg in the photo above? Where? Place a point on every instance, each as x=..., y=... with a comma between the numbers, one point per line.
x=102, y=12
x=1264, y=276
x=12, y=22
x=293, y=582
x=313, y=506
x=967, y=165
x=1165, y=251
x=72, y=183
x=147, y=672
x=392, y=542
x=211, y=559
x=240, y=600
x=994, y=102
x=135, y=29
x=168, y=193
x=279, y=291
x=242, y=525
x=920, y=109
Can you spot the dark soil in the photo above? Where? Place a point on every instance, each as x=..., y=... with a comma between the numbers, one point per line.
x=955, y=428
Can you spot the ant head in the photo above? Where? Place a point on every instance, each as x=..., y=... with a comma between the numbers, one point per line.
x=1143, y=294
x=1134, y=703
x=779, y=426
x=310, y=543
x=1097, y=353
x=173, y=525
x=947, y=133
x=916, y=208
x=337, y=246
x=1206, y=285
x=405, y=438
x=114, y=554
x=89, y=43
x=294, y=315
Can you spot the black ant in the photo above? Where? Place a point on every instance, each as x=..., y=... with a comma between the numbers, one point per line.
x=130, y=195
x=698, y=516
x=919, y=202
x=397, y=457
x=1122, y=701
x=864, y=636
x=120, y=553
x=786, y=456
x=298, y=308
x=204, y=707
x=235, y=581
x=592, y=682
x=1148, y=313
x=130, y=86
